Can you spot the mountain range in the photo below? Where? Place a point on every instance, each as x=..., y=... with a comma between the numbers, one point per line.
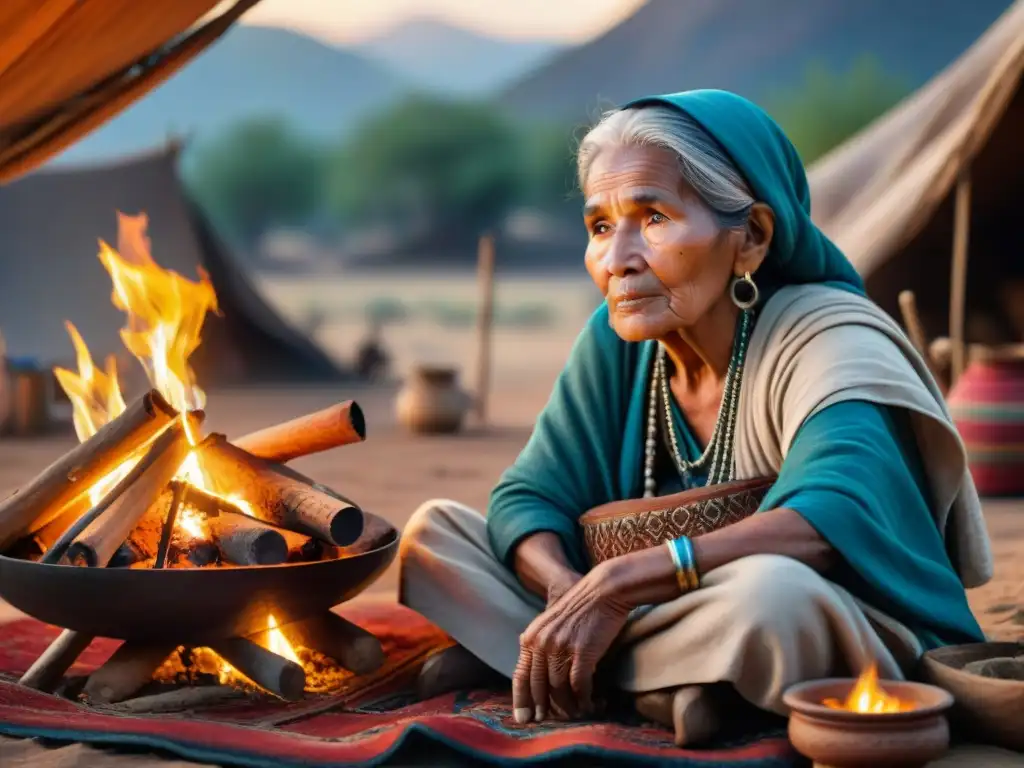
x=752, y=47
x=323, y=89
x=437, y=56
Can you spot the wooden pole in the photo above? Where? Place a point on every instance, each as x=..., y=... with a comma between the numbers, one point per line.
x=917, y=336
x=485, y=323
x=958, y=277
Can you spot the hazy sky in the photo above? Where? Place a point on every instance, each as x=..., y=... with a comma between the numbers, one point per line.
x=349, y=20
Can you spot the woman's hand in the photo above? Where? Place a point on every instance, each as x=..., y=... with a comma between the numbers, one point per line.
x=543, y=568
x=561, y=648
x=559, y=583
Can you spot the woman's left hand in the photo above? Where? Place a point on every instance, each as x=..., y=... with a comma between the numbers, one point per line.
x=560, y=650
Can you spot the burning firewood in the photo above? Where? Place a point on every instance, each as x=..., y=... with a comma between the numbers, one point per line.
x=243, y=540
x=46, y=496
x=102, y=534
x=338, y=425
x=129, y=668
x=276, y=674
x=94, y=538
x=177, y=491
x=126, y=556
x=347, y=643
x=280, y=496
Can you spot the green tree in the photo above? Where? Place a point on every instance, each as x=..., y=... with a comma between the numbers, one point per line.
x=451, y=166
x=255, y=176
x=549, y=167
x=830, y=107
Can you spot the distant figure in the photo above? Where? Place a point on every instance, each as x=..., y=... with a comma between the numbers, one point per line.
x=371, y=357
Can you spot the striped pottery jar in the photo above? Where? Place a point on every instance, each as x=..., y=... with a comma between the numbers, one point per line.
x=987, y=405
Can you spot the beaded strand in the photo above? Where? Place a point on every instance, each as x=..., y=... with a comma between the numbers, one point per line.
x=719, y=450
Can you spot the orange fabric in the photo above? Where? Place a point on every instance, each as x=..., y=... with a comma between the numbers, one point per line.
x=90, y=41
x=21, y=26
x=96, y=73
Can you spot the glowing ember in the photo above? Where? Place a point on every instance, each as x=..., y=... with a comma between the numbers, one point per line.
x=868, y=697
x=193, y=523
x=192, y=665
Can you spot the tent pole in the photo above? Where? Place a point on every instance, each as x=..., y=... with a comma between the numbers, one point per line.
x=958, y=278
x=485, y=322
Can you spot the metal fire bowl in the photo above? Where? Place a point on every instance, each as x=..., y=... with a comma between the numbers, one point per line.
x=188, y=605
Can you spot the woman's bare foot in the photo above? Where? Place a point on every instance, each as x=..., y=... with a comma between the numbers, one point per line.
x=453, y=669
x=690, y=711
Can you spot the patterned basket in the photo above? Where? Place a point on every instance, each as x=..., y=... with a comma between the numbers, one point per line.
x=627, y=526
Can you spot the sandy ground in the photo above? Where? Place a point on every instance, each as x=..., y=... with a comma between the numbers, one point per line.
x=392, y=473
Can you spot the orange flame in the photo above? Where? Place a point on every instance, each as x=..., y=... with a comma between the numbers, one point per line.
x=165, y=314
x=868, y=697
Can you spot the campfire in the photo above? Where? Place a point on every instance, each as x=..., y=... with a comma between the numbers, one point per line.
x=147, y=489
x=867, y=697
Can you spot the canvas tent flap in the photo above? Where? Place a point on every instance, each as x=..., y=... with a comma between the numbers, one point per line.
x=67, y=66
x=885, y=196
x=50, y=224
x=872, y=193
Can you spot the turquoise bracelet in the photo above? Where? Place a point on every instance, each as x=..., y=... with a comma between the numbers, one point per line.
x=683, y=559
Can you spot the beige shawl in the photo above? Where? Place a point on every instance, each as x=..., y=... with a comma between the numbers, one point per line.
x=814, y=346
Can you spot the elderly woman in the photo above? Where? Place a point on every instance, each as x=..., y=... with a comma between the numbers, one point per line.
x=734, y=342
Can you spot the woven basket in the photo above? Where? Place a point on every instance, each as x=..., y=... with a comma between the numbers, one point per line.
x=627, y=526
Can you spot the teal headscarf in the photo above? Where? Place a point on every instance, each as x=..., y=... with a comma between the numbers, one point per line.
x=800, y=252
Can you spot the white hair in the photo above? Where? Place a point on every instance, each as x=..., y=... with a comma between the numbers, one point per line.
x=703, y=163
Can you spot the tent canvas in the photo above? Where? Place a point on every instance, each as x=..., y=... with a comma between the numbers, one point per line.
x=886, y=196
x=50, y=224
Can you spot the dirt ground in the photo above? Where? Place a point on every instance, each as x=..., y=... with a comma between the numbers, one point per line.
x=393, y=472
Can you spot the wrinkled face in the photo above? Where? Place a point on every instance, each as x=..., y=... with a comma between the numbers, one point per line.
x=656, y=251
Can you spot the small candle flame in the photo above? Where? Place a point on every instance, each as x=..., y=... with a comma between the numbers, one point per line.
x=868, y=697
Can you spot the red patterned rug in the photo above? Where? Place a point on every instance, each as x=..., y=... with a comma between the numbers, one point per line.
x=371, y=720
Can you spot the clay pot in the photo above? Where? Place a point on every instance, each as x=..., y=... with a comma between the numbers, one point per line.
x=987, y=405
x=432, y=402
x=987, y=708
x=842, y=739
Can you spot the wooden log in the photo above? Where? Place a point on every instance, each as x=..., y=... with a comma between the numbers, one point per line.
x=162, y=460
x=179, y=699
x=271, y=672
x=109, y=523
x=52, y=531
x=129, y=668
x=349, y=644
x=127, y=555
x=302, y=548
x=178, y=491
x=279, y=496
x=45, y=497
x=202, y=553
x=243, y=540
x=49, y=668
x=485, y=325
x=332, y=427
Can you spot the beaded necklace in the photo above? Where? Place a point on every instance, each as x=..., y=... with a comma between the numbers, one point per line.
x=717, y=458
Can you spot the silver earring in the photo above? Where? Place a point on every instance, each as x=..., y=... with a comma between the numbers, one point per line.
x=744, y=291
